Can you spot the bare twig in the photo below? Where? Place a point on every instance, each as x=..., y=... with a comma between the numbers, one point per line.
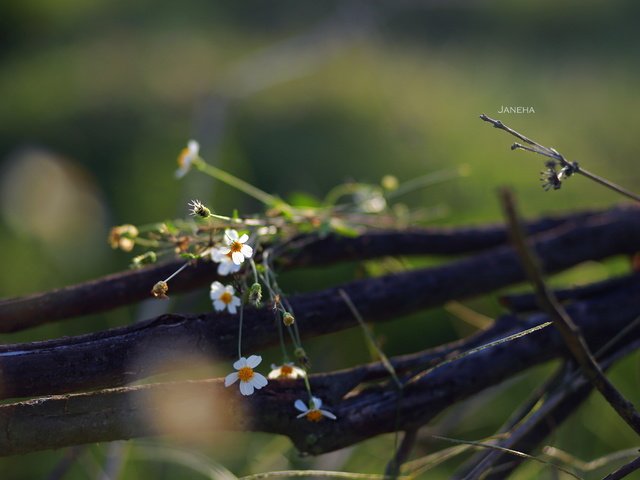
x=562, y=321
x=572, y=167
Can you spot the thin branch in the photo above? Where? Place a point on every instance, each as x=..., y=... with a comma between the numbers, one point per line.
x=368, y=411
x=128, y=287
x=402, y=453
x=555, y=155
x=569, y=331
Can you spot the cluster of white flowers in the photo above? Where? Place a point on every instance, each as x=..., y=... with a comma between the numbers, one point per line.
x=229, y=258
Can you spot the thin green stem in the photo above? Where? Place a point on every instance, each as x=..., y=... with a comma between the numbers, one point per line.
x=240, y=331
x=370, y=338
x=176, y=272
x=427, y=181
x=237, y=183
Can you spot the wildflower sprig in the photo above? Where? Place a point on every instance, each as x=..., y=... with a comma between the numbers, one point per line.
x=232, y=243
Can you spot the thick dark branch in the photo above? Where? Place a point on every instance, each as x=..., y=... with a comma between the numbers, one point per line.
x=122, y=355
x=127, y=412
x=526, y=302
x=132, y=286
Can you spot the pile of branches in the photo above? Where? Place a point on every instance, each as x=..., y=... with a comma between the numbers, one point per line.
x=78, y=389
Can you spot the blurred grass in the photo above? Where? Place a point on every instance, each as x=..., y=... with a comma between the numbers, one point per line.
x=117, y=88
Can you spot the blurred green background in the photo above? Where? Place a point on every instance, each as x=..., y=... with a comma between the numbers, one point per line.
x=98, y=97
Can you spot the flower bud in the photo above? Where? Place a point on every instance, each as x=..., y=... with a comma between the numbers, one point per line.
x=302, y=358
x=288, y=319
x=255, y=294
x=123, y=237
x=144, y=259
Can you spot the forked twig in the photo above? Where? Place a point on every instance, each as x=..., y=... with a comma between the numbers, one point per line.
x=569, y=168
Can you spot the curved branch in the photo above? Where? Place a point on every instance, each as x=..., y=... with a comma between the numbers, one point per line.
x=128, y=287
x=113, y=357
x=124, y=413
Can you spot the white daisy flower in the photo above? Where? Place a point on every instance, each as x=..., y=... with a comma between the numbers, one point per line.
x=187, y=155
x=223, y=297
x=313, y=412
x=236, y=246
x=249, y=379
x=225, y=264
x=286, y=371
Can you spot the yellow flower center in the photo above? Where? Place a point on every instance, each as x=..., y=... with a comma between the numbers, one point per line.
x=226, y=298
x=286, y=370
x=314, y=416
x=235, y=247
x=245, y=374
x=183, y=155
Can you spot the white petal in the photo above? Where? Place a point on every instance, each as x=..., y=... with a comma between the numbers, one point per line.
x=224, y=250
x=317, y=402
x=301, y=415
x=235, y=301
x=328, y=414
x=230, y=289
x=230, y=235
x=259, y=380
x=216, y=286
x=193, y=146
x=223, y=268
x=247, y=251
x=219, y=305
x=274, y=373
x=237, y=258
x=231, y=379
x=232, y=309
x=240, y=363
x=243, y=238
x=246, y=388
x=298, y=372
x=182, y=171
x=301, y=406
x=253, y=361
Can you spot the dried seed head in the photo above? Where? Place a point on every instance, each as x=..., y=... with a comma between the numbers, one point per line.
x=197, y=209
x=160, y=290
